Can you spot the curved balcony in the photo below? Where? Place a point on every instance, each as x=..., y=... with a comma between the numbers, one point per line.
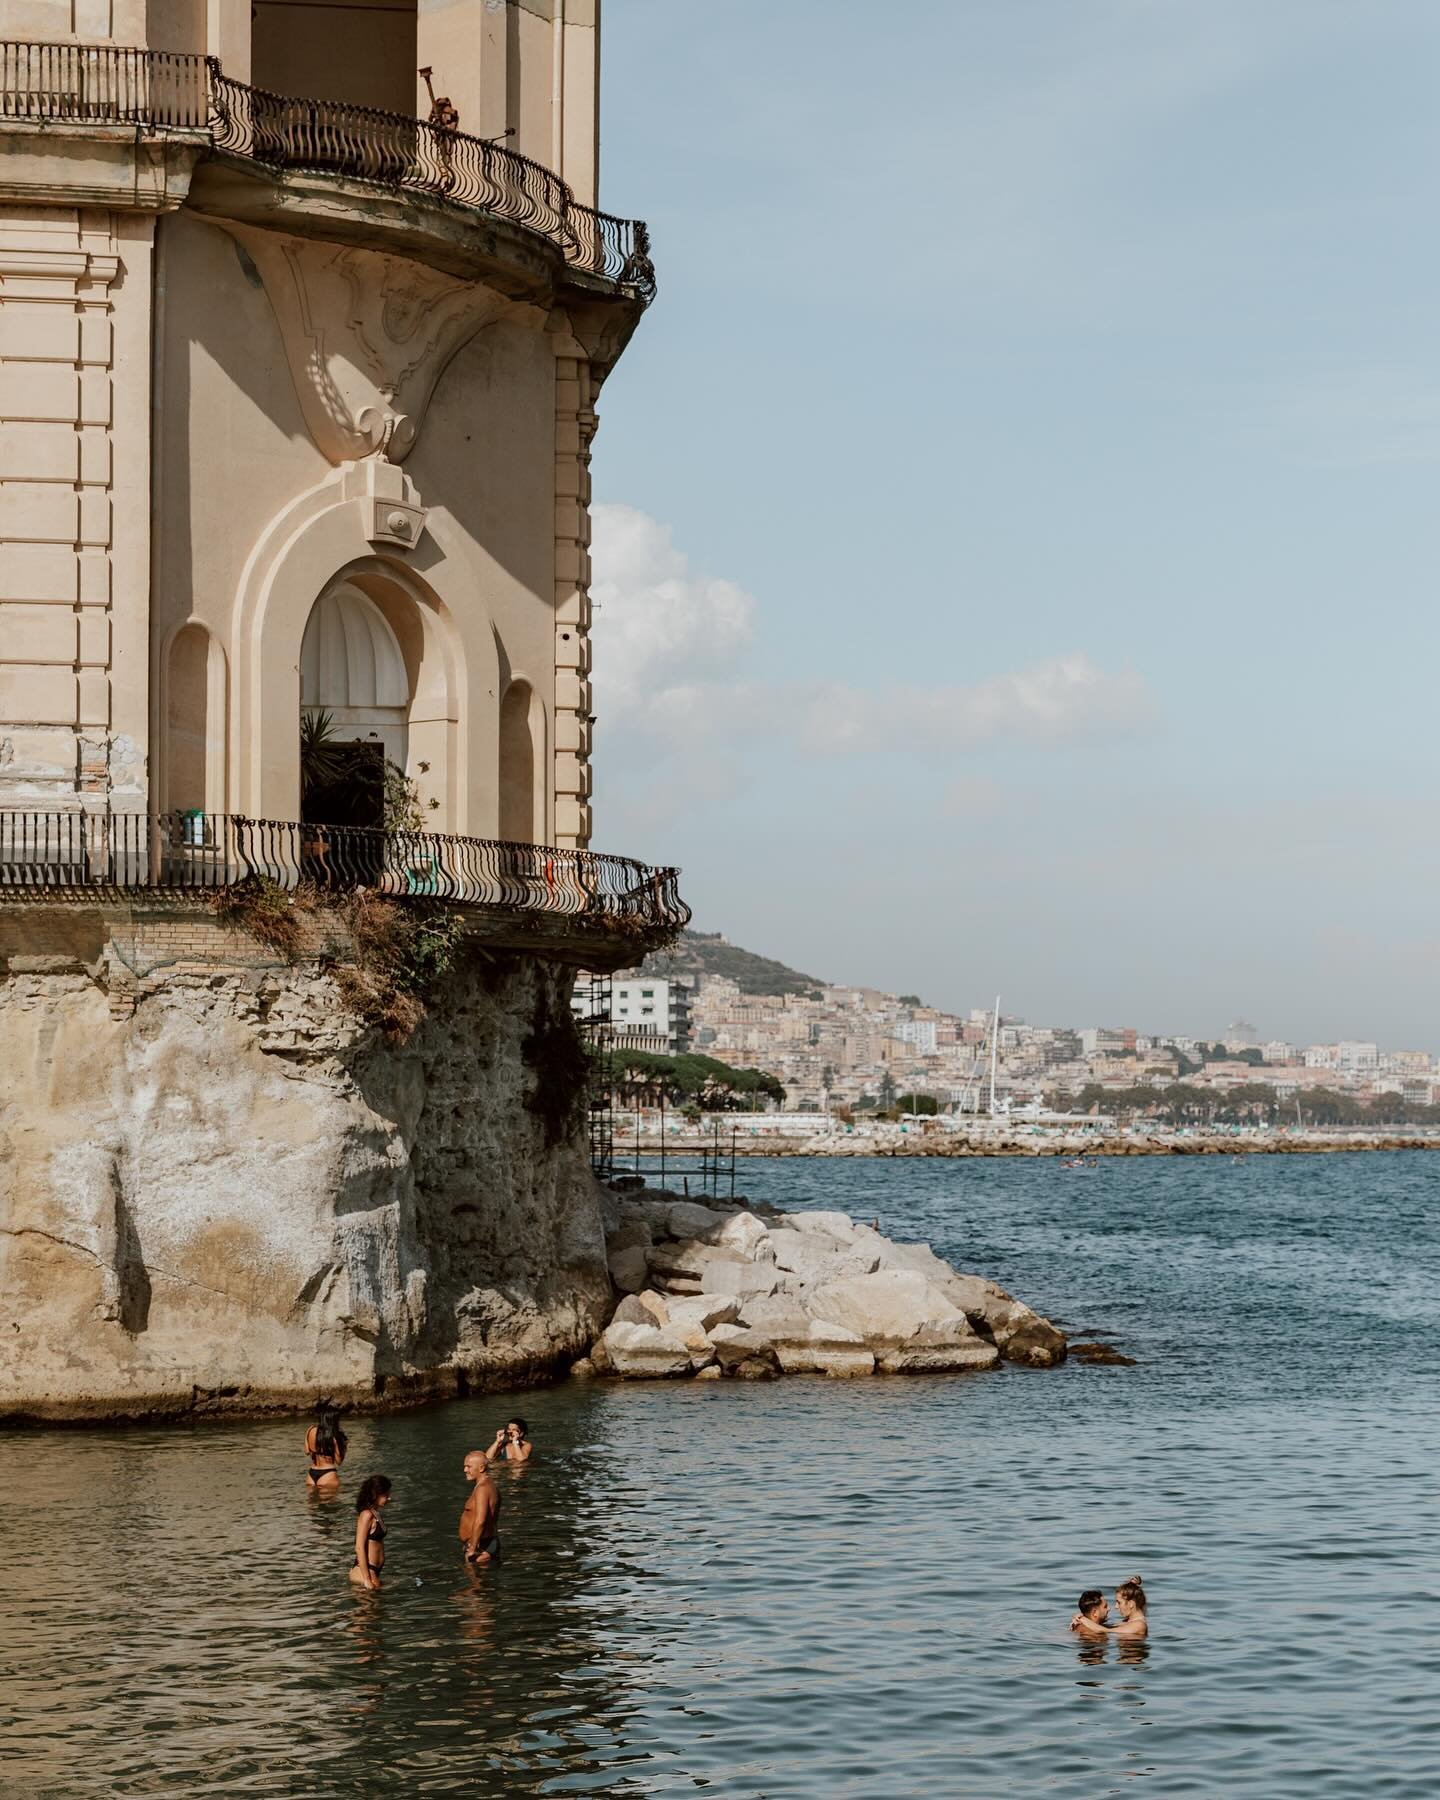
x=69, y=855
x=163, y=92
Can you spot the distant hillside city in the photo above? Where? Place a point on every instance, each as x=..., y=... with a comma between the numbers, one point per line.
x=836, y=1048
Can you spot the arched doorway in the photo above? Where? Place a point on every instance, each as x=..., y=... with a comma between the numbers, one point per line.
x=354, y=708
x=438, y=616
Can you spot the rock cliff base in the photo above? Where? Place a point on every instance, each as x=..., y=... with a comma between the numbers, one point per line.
x=220, y=1192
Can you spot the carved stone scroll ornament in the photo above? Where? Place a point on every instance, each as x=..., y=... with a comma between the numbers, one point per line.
x=366, y=337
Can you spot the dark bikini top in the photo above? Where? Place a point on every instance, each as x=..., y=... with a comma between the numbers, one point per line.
x=377, y=1530
x=333, y=1466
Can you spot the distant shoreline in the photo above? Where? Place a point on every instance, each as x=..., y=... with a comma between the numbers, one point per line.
x=1191, y=1146
x=1070, y=1146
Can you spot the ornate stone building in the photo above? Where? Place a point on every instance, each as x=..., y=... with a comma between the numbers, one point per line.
x=297, y=400
x=304, y=309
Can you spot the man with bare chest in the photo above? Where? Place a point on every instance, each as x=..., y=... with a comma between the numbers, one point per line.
x=480, y=1521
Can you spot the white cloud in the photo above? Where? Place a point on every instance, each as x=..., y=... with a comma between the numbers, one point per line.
x=664, y=635
x=658, y=622
x=1059, y=700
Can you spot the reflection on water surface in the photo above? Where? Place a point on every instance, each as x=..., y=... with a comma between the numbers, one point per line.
x=810, y=1588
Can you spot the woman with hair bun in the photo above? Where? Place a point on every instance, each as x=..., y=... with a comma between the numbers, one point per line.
x=1130, y=1599
x=370, y=1502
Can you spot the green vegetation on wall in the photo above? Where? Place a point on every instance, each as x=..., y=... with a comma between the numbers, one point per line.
x=383, y=955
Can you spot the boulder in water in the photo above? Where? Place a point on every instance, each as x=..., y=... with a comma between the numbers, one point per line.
x=727, y=1290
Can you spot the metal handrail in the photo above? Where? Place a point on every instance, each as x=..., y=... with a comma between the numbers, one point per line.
x=68, y=853
x=104, y=84
x=107, y=83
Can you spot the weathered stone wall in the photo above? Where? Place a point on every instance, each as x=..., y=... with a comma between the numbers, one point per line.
x=218, y=1191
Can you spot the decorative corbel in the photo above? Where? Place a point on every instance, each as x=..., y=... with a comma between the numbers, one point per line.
x=366, y=336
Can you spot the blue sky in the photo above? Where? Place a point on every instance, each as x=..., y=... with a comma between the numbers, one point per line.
x=1016, y=527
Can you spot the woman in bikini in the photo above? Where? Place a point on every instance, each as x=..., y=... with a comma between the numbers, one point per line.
x=512, y=1443
x=370, y=1503
x=325, y=1445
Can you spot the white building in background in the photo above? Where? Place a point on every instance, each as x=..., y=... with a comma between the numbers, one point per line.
x=1277, y=1051
x=920, y=1033
x=640, y=1006
x=1357, y=1059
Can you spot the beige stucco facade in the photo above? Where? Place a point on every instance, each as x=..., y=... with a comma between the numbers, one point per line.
x=231, y=394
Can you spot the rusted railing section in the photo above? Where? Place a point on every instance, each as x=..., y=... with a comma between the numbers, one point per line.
x=70, y=853
x=106, y=83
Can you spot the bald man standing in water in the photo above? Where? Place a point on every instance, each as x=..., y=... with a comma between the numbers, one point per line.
x=480, y=1521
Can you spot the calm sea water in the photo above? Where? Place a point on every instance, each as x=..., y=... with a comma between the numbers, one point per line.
x=806, y=1588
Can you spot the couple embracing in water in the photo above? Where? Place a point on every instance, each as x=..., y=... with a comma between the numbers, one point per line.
x=1093, y=1619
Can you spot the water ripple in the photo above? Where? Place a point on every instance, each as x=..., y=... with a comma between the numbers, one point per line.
x=813, y=1588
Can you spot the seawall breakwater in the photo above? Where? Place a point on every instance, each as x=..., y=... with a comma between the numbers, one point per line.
x=1071, y=1145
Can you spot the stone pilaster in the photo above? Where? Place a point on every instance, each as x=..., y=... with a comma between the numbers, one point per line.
x=62, y=744
x=575, y=423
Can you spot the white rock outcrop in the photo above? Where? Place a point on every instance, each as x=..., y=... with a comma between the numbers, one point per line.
x=651, y=1350
x=798, y=1293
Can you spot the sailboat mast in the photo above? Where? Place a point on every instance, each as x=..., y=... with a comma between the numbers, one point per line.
x=994, y=1047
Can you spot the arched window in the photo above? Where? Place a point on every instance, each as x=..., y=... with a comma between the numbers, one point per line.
x=352, y=672
x=352, y=666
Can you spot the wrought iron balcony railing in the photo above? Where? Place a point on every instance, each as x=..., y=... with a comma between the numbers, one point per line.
x=66, y=854
x=109, y=84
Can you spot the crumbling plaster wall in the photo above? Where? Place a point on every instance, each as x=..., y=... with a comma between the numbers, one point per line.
x=218, y=1191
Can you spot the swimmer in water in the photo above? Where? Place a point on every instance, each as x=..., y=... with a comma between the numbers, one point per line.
x=325, y=1445
x=1094, y=1612
x=370, y=1502
x=512, y=1443
x=1134, y=1621
x=480, y=1521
